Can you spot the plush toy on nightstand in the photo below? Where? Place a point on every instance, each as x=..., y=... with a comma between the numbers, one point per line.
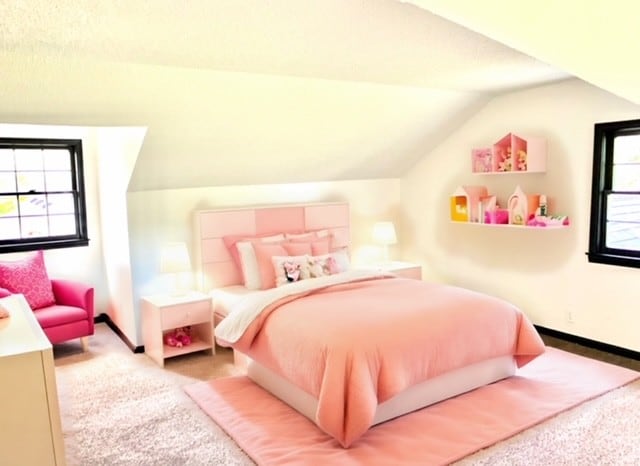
x=179, y=337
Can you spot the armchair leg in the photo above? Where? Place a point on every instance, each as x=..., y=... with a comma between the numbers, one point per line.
x=85, y=343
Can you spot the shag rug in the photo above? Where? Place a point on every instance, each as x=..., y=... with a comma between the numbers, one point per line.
x=273, y=433
x=120, y=408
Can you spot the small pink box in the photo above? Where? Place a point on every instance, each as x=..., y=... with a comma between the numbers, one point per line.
x=498, y=216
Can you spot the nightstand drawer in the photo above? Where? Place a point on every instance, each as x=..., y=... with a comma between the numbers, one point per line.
x=181, y=315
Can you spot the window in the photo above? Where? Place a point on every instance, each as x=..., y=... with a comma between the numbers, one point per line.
x=615, y=194
x=42, y=203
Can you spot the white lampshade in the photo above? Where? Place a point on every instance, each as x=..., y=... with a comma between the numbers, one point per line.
x=175, y=258
x=384, y=233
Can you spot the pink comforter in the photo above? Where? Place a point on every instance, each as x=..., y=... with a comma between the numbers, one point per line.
x=355, y=345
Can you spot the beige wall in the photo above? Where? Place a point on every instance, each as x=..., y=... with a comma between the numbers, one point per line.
x=545, y=272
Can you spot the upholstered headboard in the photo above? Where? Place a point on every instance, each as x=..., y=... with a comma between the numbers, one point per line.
x=213, y=263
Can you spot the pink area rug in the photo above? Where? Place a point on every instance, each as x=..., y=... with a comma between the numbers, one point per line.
x=272, y=433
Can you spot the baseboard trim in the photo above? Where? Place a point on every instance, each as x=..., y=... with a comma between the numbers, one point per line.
x=107, y=320
x=598, y=345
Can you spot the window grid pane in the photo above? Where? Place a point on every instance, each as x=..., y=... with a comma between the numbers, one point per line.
x=6, y=160
x=42, y=203
x=29, y=159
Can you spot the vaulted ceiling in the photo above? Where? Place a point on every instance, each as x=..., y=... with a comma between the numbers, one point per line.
x=253, y=91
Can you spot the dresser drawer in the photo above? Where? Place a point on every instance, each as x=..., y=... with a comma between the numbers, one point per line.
x=181, y=315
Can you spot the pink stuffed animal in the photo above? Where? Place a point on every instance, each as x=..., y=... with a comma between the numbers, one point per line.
x=291, y=271
x=179, y=337
x=331, y=265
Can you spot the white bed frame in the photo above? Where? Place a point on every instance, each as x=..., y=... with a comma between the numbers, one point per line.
x=215, y=269
x=416, y=397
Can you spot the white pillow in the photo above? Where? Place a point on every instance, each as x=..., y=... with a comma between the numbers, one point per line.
x=249, y=262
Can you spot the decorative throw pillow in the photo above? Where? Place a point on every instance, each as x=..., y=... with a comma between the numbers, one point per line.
x=28, y=276
x=294, y=268
x=289, y=269
x=265, y=251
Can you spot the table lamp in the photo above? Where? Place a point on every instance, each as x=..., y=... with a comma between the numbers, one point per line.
x=384, y=234
x=175, y=260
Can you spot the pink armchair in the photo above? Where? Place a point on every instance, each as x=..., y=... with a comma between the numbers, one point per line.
x=72, y=314
x=63, y=308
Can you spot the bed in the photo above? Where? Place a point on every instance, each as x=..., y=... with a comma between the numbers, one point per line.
x=348, y=348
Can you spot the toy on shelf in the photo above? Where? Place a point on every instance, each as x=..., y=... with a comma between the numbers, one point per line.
x=512, y=153
x=518, y=206
x=481, y=160
x=552, y=221
x=178, y=337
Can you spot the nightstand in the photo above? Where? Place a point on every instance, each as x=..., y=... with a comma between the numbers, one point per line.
x=163, y=313
x=401, y=269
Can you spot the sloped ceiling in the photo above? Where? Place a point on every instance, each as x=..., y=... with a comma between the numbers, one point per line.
x=596, y=41
x=253, y=91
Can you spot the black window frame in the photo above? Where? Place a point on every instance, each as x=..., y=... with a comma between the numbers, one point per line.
x=81, y=238
x=601, y=186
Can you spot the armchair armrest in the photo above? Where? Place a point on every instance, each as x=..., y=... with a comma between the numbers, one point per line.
x=72, y=293
x=4, y=292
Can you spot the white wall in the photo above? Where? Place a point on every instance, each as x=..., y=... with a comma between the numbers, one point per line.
x=156, y=217
x=545, y=272
x=117, y=150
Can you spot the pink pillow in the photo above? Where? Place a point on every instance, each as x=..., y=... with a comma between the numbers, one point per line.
x=264, y=253
x=297, y=248
x=28, y=276
x=319, y=246
x=231, y=240
x=310, y=235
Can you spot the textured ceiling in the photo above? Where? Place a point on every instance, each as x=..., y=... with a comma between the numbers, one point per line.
x=380, y=41
x=258, y=91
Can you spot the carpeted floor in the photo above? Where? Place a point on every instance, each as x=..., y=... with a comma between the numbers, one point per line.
x=120, y=408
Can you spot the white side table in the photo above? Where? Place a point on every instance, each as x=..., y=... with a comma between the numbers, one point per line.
x=163, y=313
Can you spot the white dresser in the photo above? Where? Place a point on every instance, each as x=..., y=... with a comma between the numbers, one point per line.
x=30, y=428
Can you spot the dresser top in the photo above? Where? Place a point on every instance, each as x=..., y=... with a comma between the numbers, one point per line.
x=20, y=332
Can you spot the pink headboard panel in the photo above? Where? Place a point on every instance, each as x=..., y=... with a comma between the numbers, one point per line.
x=277, y=220
x=214, y=265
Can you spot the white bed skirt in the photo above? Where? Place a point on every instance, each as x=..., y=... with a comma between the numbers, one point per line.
x=416, y=397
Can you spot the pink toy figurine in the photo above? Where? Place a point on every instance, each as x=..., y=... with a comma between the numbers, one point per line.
x=171, y=340
x=332, y=265
x=291, y=271
x=179, y=337
x=183, y=335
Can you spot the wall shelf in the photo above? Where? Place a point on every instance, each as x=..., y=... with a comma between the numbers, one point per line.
x=511, y=155
x=517, y=227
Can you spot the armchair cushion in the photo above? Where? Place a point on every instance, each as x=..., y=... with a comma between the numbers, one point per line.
x=28, y=276
x=52, y=316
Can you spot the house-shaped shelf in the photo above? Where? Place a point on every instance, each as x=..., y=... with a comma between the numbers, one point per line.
x=465, y=203
x=511, y=154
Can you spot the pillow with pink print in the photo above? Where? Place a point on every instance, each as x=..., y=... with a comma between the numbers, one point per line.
x=28, y=276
